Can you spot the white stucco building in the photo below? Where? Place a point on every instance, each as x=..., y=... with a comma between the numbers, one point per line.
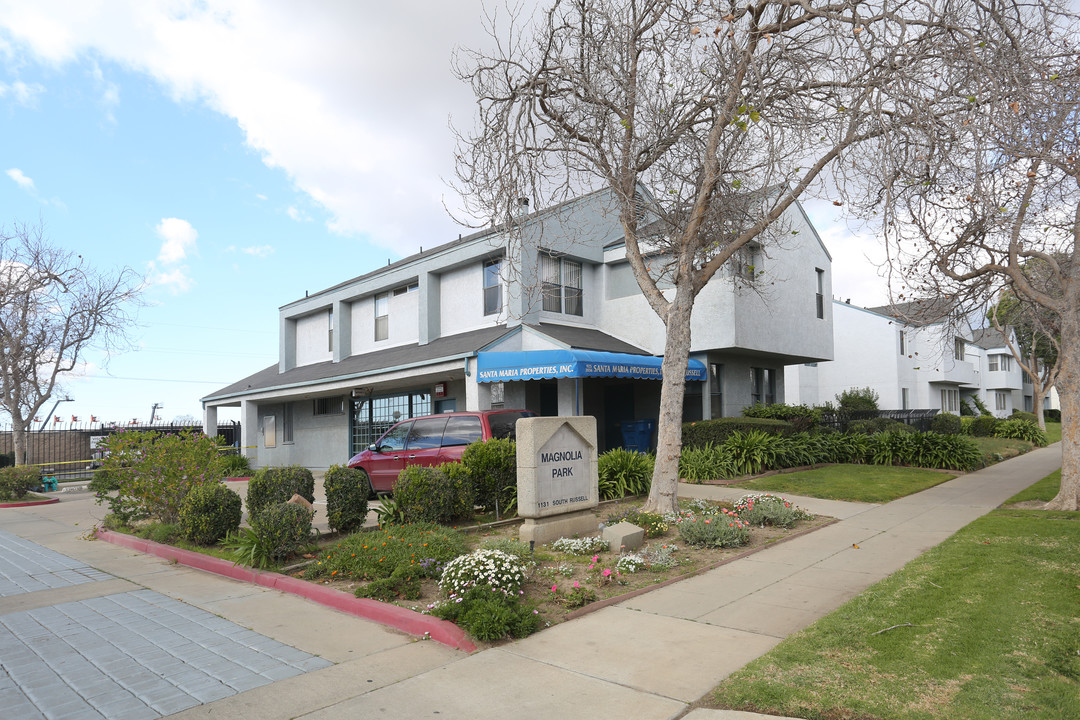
x=549, y=318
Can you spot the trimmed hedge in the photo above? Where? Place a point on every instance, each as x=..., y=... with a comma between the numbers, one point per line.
x=983, y=426
x=347, y=491
x=434, y=494
x=15, y=482
x=715, y=432
x=208, y=513
x=272, y=485
x=492, y=468
x=282, y=529
x=947, y=424
x=1052, y=415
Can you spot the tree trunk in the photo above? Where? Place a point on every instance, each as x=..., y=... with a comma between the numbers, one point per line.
x=663, y=495
x=18, y=440
x=1068, y=385
x=1037, y=405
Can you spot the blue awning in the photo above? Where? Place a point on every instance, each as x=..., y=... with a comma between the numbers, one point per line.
x=542, y=364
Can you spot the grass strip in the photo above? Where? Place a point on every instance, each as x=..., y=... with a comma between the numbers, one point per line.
x=857, y=483
x=982, y=627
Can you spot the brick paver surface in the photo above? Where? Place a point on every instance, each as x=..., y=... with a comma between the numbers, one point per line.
x=28, y=567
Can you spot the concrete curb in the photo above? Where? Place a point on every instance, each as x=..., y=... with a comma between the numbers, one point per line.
x=31, y=503
x=400, y=618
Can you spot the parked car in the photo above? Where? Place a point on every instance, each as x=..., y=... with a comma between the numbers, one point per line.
x=431, y=440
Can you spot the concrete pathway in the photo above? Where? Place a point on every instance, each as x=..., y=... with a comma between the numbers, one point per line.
x=648, y=658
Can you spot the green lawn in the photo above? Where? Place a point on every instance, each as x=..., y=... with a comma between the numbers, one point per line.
x=1053, y=431
x=859, y=483
x=983, y=627
x=997, y=449
x=1044, y=490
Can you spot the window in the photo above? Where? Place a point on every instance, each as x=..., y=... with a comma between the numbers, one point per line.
x=330, y=332
x=373, y=416
x=950, y=400
x=716, y=390
x=395, y=439
x=762, y=386
x=561, y=283
x=750, y=266
x=462, y=431
x=1001, y=400
x=426, y=434
x=498, y=395
x=905, y=397
x=692, y=399
x=903, y=344
x=820, y=293
x=411, y=287
x=999, y=362
x=269, y=425
x=330, y=405
x=492, y=287
x=382, y=316
x=958, y=348
x=287, y=424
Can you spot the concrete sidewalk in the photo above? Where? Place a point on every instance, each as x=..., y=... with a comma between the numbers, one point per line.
x=648, y=658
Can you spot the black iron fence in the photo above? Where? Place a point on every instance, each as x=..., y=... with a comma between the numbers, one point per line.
x=918, y=419
x=72, y=451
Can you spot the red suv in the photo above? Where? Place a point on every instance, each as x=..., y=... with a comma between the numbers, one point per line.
x=431, y=440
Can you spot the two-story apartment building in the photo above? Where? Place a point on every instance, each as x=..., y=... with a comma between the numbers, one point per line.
x=545, y=315
x=914, y=356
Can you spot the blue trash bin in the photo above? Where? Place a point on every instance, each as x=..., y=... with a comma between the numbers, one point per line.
x=637, y=435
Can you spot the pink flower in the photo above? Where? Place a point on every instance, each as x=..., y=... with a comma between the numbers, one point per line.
x=554, y=588
x=607, y=572
x=576, y=585
x=595, y=558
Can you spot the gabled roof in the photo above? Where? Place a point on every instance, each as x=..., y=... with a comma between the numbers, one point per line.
x=580, y=338
x=451, y=346
x=990, y=337
x=925, y=311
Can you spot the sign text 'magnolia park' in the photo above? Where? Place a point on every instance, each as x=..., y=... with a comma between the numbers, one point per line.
x=562, y=477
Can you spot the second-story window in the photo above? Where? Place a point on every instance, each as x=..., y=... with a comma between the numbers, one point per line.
x=492, y=287
x=382, y=316
x=903, y=343
x=820, y=293
x=999, y=362
x=958, y=348
x=330, y=333
x=561, y=285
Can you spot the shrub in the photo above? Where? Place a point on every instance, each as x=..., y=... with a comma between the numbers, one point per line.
x=624, y=472
x=965, y=409
x=580, y=546
x=751, y=452
x=7, y=459
x=706, y=462
x=715, y=531
x=872, y=426
x=517, y=548
x=928, y=450
x=492, y=569
x=421, y=549
x=1021, y=430
x=431, y=494
x=153, y=472
x=652, y=523
x=715, y=432
x=16, y=481
x=488, y=615
x=946, y=424
x=347, y=492
x=282, y=529
x=983, y=426
x=858, y=399
x=844, y=448
x=802, y=417
x=209, y=513
x=1021, y=415
x=235, y=465
x=980, y=405
x=402, y=584
x=1052, y=415
x=765, y=509
x=492, y=468
x=275, y=485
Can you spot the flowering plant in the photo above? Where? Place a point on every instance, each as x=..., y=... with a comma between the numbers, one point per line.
x=580, y=546
x=483, y=568
x=725, y=529
x=631, y=563
x=766, y=509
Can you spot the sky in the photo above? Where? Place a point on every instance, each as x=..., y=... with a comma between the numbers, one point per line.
x=238, y=154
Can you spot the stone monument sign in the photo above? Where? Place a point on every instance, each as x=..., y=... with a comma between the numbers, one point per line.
x=557, y=476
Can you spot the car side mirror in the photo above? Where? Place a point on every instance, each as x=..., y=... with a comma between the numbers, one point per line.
x=374, y=447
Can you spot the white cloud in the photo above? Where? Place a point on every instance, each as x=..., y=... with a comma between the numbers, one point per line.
x=178, y=239
x=351, y=100
x=21, y=179
x=23, y=94
x=260, y=196
x=296, y=214
x=176, y=280
x=258, y=250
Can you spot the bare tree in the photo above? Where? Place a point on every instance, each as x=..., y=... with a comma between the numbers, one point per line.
x=53, y=308
x=726, y=112
x=970, y=203
x=1036, y=348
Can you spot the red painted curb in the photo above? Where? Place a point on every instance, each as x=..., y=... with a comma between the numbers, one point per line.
x=237, y=479
x=32, y=503
x=394, y=616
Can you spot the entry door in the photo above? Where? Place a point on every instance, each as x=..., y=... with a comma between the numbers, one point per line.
x=618, y=408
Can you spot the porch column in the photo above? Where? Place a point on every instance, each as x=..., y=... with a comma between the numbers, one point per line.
x=568, y=401
x=209, y=424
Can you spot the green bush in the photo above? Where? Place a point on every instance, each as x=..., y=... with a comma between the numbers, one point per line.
x=236, y=465
x=751, y=452
x=209, y=513
x=765, y=509
x=432, y=494
x=15, y=482
x=489, y=616
x=624, y=472
x=1018, y=429
x=492, y=467
x=858, y=399
x=715, y=531
x=873, y=426
x=946, y=424
x=421, y=549
x=274, y=485
x=7, y=459
x=1052, y=415
x=347, y=492
x=402, y=584
x=802, y=417
x=1021, y=415
x=983, y=426
x=704, y=432
x=153, y=472
x=980, y=405
x=706, y=462
x=283, y=529
x=491, y=569
x=927, y=450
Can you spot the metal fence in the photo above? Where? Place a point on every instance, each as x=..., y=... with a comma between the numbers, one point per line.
x=72, y=451
x=918, y=419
